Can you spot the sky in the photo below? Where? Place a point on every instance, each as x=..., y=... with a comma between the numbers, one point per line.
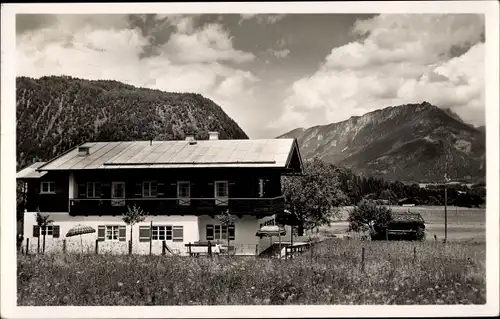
x=271, y=73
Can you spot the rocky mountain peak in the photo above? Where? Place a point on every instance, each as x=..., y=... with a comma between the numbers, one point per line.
x=408, y=142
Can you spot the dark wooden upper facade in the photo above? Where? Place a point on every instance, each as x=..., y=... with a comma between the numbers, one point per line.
x=158, y=191
x=164, y=177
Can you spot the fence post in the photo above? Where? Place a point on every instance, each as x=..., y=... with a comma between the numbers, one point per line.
x=150, y=239
x=256, y=250
x=97, y=246
x=414, y=254
x=163, y=247
x=386, y=235
x=38, y=245
x=209, y=249
x=27, y=246
x=363, y=259
x=64, y=246
x=189, y=247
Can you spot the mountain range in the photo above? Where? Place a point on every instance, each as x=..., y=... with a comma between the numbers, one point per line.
x=409, y=142
x=56, y=113
x=412, y=143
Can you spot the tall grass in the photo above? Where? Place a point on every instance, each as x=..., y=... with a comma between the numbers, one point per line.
x=440, y=274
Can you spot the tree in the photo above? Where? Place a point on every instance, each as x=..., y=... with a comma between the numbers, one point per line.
x=389, y=195
x=367, y=215
x=42, y=221
x=226, y=219
x=133, y=216
x=311, y=198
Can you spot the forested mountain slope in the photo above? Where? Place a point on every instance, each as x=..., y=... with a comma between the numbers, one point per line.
x=56, y=113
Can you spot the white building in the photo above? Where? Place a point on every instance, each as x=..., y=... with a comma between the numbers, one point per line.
x=182, y=185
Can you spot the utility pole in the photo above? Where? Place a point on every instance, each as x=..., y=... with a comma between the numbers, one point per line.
x=446, y=180
x=445, y=208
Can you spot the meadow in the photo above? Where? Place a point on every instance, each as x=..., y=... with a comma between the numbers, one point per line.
x=334, y=273
x=464, y=224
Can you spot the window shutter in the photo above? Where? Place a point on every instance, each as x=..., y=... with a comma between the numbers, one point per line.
x=154, y=189
x=36, y=231
x=101, y=233
x=210, y=232
x=178, y=234
x=144, y=233
x=98, y=190
x=138, y=190
x=231, y=232
x=82, y=191
x=122, y=233
x=55, y=231
x=161, y=189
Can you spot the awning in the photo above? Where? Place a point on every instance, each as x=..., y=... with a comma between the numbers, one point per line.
x=271, y=230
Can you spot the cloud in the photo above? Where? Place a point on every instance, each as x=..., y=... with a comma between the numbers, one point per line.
x=191, y=60
x=208, y=44
x=398, y=59
x=279, y=53
x=262, y=18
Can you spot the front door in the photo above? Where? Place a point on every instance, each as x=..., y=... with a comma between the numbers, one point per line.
x=118, y=194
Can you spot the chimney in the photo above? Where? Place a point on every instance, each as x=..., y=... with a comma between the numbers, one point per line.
x=83, y=150
x=190, y=138
x=213, y=135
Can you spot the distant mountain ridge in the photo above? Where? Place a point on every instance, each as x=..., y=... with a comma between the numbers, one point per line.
x=56, y=113
x=409, y=143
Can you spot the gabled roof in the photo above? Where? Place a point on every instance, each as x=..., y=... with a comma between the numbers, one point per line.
x=272, y=153
x=407, y=217
x=31, y=171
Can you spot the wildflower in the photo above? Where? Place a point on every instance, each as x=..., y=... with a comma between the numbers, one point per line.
x=120, y=284
x=252, y=287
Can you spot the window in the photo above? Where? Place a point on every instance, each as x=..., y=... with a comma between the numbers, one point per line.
x=93, y=190
x=149, y=189
x=49, y=230
x=168, y=232
x=47, y=188
x=112, y=232
x=221, y=193
x=218, y=232
x=183, y=191
x=161, y=233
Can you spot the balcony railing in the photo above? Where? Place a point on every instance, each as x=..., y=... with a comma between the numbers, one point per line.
x=177, y=206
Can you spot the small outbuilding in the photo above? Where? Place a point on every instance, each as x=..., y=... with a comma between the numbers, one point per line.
x=407, y=202
x=406, y=226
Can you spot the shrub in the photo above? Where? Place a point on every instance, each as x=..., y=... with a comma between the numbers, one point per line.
x=367, y=215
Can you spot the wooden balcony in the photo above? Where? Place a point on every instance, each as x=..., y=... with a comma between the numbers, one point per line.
x=178, y=206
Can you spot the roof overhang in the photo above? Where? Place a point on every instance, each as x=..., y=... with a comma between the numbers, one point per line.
x=31, y=172
x=294, y=150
